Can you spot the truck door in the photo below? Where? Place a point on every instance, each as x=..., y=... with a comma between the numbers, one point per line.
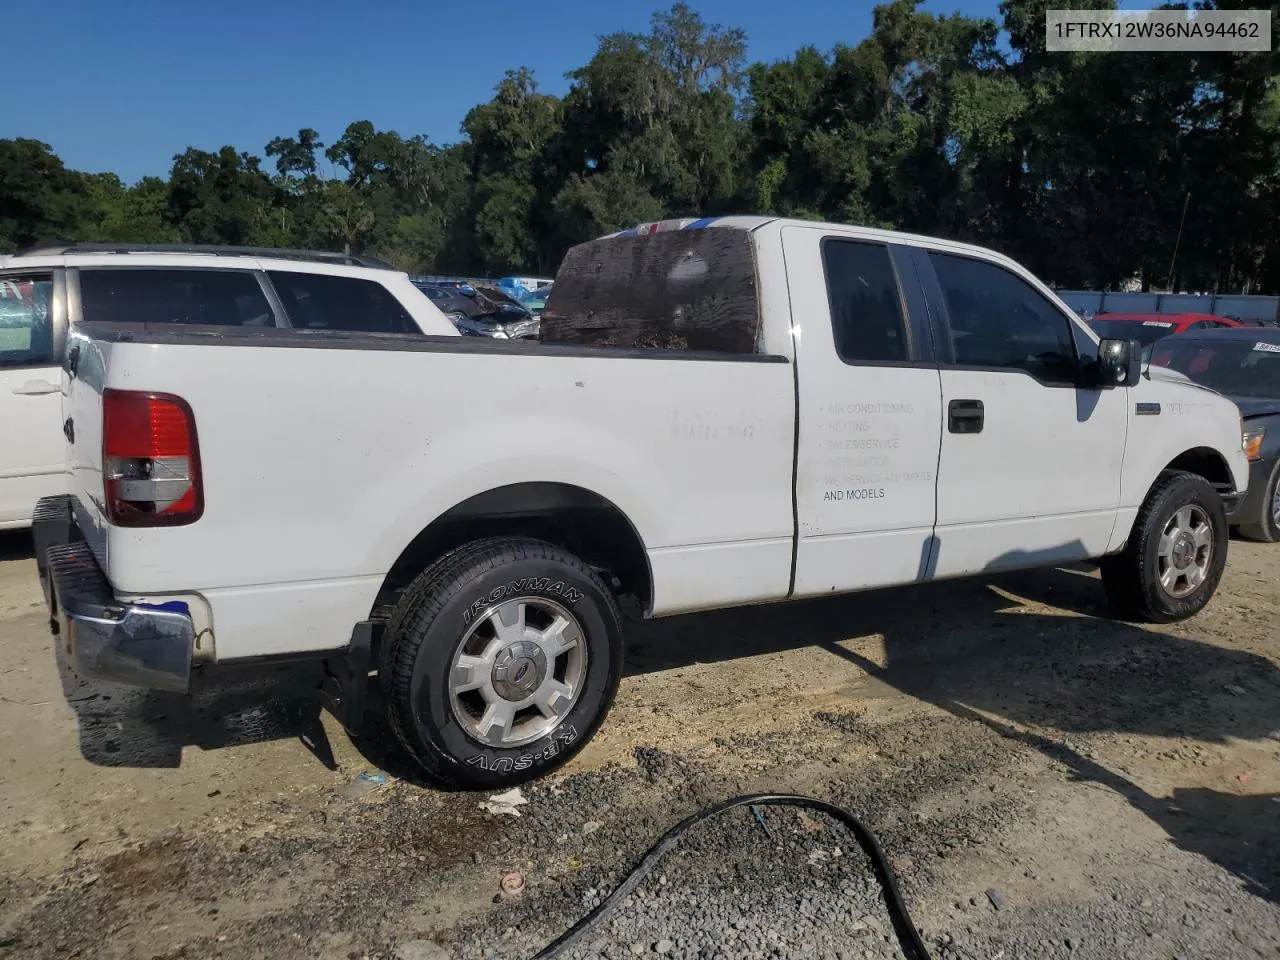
x=32, y=461
x=869, y=413
x=1031, y=457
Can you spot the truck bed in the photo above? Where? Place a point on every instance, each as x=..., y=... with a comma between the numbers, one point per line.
x=324, y=457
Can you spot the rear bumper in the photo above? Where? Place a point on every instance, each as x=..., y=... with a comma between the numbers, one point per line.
x=144, y=645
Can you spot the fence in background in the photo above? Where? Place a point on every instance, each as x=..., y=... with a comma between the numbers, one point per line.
x=1223, y=304
x=433, y=279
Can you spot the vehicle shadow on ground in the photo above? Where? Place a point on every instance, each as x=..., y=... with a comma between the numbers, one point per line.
x=986, y=648
x=1240, y=833
x=16, y=545
x=123, y=726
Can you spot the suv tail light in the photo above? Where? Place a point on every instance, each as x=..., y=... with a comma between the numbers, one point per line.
x=150, y=460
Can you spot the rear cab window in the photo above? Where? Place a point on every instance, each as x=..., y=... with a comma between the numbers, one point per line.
x=675, y=289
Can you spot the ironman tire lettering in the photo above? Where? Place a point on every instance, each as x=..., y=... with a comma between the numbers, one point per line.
x=543, y=585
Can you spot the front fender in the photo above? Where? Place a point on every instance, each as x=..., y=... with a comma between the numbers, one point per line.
x=1169, y=420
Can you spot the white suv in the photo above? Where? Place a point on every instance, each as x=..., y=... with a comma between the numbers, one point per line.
x=45, y=290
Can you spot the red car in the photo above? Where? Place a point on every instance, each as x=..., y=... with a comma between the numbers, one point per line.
x=1147, y=328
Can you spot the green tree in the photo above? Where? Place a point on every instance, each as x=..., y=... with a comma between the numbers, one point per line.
x=508, y=139
x=222, y=197
x=39, y=198
x=660, y=110
x=296, y=157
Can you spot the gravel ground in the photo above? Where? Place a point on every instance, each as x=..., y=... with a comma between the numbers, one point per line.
x=1046, y=783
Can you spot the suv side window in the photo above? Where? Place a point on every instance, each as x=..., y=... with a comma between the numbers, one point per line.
x=999, y=320
x=26, y=324
x=866, y=306
x=167, y=295
x=317, y=301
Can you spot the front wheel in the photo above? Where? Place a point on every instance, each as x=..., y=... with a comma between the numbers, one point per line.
x=1177, y=550
x=500, y=662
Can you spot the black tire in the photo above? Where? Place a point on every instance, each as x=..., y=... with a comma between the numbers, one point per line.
x=1131, y=577
x=1266, y=529
x=433, y=618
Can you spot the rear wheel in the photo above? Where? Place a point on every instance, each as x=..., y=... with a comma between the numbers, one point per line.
x=1177, y=550
x=1267, y=528
x=500, y=662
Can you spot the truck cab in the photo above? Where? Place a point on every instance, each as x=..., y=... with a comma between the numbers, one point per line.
x=954, y=419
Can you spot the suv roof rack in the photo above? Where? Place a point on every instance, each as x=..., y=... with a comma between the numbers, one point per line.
x=217, y=250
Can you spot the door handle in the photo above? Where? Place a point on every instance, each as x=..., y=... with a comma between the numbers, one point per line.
x=69, y=430
x=965, y=416
x=34, y=388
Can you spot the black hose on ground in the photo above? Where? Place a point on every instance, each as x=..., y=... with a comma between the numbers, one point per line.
x=912, y=946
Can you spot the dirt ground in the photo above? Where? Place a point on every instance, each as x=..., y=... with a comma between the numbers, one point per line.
x=1048, y=784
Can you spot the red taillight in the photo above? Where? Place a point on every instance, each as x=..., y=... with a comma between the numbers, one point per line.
x=150, y=460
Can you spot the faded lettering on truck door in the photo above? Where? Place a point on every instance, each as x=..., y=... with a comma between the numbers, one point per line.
x=869, y=418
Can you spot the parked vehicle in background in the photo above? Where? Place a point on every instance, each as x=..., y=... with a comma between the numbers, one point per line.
x=720, y=412
x=44, y=291
x=535, y=301
x=482, y=311
x=518, y=285
x=32, y=334
x=1147, y=328
x=1243, y=365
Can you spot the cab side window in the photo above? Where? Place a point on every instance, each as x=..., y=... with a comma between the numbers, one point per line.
x=26, y=324
x=168, y=295
x=866, y=305
x=999, y=321
x=317, y=301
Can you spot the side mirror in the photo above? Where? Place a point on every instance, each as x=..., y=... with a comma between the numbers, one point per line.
x=1119, y=363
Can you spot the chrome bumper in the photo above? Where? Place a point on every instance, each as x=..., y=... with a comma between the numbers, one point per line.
x=141, y=644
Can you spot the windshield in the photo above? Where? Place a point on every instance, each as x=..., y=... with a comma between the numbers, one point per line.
x=1238, y=368
x=1144, y=331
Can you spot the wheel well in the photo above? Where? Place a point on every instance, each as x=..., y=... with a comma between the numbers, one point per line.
x=584, y=523
x=1207, y=463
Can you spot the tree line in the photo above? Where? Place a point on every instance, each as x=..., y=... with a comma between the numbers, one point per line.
x=1088, y=168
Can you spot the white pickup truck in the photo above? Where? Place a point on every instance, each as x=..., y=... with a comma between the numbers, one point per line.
x=723, y=411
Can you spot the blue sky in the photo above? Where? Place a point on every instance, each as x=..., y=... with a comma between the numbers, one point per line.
x=123, y=85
